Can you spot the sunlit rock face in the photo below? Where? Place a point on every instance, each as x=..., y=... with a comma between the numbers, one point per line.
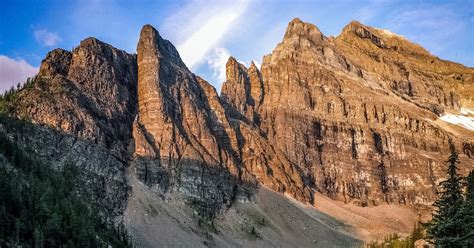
x=356, y=115
x=183, y=141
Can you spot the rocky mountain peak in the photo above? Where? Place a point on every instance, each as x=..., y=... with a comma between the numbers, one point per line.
x=347, y=117
x=151, y=44
x=233, y=68
x=253, y=66
x=97, y=48
x=231, y=62
x=366, y=78
x=56, y=62
x=91, y=42
x=181, y=127
x=149, y=37
x=356, y=32
x=300, y=29
x=364, y=32
x=405, y=67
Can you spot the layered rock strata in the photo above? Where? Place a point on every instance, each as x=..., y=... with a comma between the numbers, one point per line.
x=354, y=117
x=355, y=120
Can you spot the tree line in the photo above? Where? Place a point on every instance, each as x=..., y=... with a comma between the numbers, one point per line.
x=453, y=222
x=452, y=225
x=39, y=206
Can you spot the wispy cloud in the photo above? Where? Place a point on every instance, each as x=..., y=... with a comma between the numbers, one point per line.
x=201, y=25
x=432, y=26
x=47, y=38
x=14, y=71
x=217, y=62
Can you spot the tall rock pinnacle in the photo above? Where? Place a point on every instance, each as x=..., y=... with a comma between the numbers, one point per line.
x=355, y=118
x=182, y=128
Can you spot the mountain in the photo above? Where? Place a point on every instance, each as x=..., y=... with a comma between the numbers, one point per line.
x=355, y=114
x=348, y=130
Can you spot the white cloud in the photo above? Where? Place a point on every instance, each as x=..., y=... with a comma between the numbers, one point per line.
x=200, y=26
x=14, y=71
x=257, y=64
x=47, y=38
x=217, y=61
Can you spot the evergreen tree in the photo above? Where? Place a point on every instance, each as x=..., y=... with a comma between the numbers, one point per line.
x=445, y=228
x=39, y=207
x=467, y=214
x=417, y=233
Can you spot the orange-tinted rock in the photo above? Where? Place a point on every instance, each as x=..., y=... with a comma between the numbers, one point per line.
x=354, y=117
x=180, y=117
x=332, y=109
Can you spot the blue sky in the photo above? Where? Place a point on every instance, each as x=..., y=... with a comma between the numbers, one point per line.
x=207, y=32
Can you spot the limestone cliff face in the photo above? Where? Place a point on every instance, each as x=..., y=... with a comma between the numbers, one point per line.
x=89, y=92
x=83, y=104
x=333, y=110
x=354, y=117
x=244, y=89
x=183, y=134
x=183, y=141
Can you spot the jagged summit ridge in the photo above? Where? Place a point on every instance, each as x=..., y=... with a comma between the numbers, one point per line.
x=301, y=29
x=179, y=136
x=363, y=96
x=351, y=117
x=151, y=43
x=381, y=38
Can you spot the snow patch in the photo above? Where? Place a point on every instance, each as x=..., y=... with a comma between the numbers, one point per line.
x=467, y=111
x=390, y=33
x=461, y=120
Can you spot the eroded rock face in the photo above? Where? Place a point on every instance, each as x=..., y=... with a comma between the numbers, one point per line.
x=56, y=62
x=186, y=141
x=406, y=69
x=182, y=137
x=90, y=92
x=353, y=117
x=89, y=97
x=244, y=89
x=100, y=179
x=354, y=125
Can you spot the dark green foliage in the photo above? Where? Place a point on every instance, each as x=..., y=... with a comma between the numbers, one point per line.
x=453, y=223
x=395, y=241
x=8, y=97
x=445, y=228
x=38, y=206
x=466, y=218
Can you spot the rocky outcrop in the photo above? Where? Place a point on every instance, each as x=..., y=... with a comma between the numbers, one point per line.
x=89, y=92
x=182, y=136
x=352, y=131
x=243, y=90
x=354, y=117
x=83, y=104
